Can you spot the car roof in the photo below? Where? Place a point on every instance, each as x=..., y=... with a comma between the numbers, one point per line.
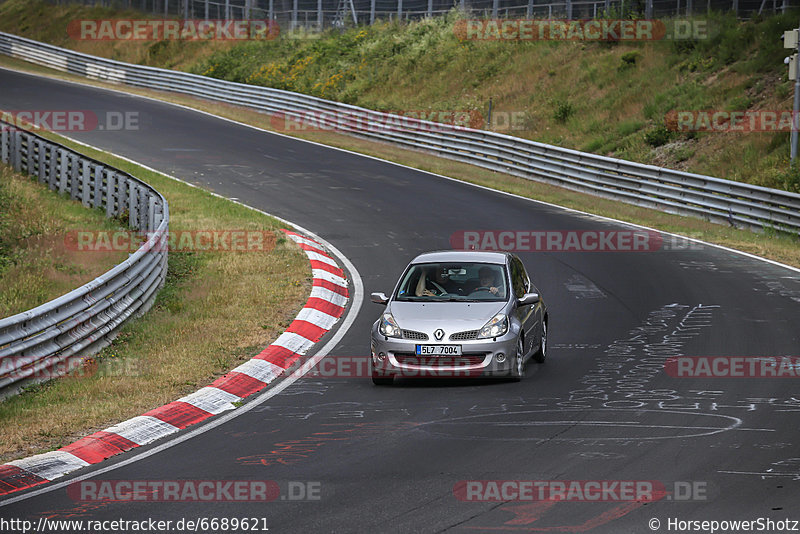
x=477, y=256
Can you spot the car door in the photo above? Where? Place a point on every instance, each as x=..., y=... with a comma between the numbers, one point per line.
x=521, y=283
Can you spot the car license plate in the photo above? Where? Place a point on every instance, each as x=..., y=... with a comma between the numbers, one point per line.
x=438, y=350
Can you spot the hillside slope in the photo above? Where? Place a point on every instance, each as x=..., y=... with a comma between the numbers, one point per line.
x=608, y=98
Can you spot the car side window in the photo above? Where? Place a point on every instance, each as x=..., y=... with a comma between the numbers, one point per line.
x=519, y=278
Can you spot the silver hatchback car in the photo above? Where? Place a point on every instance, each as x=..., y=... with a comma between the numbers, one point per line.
x=459, y=314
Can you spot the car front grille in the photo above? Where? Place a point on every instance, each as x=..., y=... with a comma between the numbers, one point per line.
x=463, y=336
x=410, y=334
x=465, y=360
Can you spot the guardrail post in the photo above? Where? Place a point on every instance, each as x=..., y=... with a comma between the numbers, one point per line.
x=111, y=194
x=52, y=179
x=4, y=142
x=98, y=186
x=151, y=214
x=86, y=176
x=16, y=150
x=40, y=149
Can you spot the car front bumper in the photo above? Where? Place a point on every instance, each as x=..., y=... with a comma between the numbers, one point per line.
x=480, y=357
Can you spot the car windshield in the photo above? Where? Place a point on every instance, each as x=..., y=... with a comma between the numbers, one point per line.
x=444, y=282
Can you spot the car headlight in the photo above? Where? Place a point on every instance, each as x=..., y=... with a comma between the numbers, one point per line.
x=388, y=326
x=496, y=327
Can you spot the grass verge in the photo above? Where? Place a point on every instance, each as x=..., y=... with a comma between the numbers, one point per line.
x=36, y=264
x=216, y=310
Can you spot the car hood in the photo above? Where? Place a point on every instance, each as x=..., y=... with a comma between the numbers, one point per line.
x=449, y=316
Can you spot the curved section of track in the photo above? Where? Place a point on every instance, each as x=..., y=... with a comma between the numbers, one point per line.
x=602, y=408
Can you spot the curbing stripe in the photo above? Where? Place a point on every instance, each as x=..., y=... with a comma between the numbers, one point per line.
x=319, y=274
x=212, y=400
x=316, y=264
x=325, y=305
x=96, y=447
x=179, y=414
x=307, y=330
x=317, y=318
x=328, y=295
x=50, y=465
x=240, y=384
x=142, y=429
x=261, y=370
x=13, y=478
x=336, y=288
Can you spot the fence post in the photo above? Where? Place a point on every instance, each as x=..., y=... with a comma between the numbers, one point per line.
x=207, y=9
x=430, y=8
x=689, y=7
x=372, y=12
x=271, y=15
x=529, y=10
x=111, y=194
x=569, y=9
x=495, y=7
x=319, y=15
x=42, y=161
x=293, y=25
x=736, y=7
x=400, y=11
x=648, y=10
x=16, y=150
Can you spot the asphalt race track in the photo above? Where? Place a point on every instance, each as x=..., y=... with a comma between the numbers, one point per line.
x=395, y=458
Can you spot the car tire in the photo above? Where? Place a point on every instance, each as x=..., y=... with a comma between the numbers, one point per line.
x=541, y=354
x=518, y=371
x=382, y=380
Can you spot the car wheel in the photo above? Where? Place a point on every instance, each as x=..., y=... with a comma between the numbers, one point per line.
x=382, y=380
x=541, y=354
x=518, y=371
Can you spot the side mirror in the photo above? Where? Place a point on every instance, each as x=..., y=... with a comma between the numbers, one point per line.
x=379, y=298
x=528, y=299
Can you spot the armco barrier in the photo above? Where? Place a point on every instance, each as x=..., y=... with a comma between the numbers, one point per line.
x=645, y=185
x=35, y=342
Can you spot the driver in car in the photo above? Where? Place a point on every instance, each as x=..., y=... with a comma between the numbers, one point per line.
x=487, y=280
x=433, y=282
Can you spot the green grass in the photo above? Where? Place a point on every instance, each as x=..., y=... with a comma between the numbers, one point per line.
x=216, y=310
x=36, y=263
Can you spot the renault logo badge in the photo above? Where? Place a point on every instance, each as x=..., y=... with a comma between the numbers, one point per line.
x=439, y=334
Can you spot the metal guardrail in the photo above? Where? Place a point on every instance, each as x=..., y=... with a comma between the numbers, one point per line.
x=39, y=344
x=668, y=190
